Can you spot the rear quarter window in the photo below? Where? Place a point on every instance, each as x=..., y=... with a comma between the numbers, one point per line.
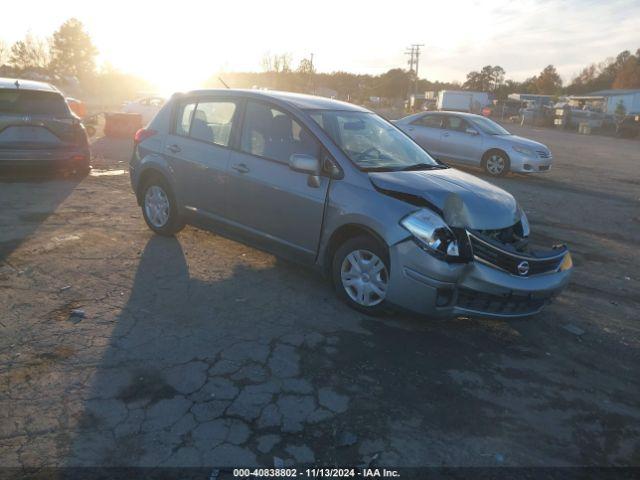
x=31, y=102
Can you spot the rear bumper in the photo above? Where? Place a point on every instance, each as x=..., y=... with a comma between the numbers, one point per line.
x=428, y=286
x=76, y=158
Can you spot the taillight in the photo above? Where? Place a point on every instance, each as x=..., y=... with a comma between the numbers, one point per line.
x=143, y=134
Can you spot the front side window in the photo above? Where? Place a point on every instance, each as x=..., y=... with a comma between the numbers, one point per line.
x=212, y=121
x=457, y=124
x=490, y=127
x=183, y=118
x=271, y=133
x=371, y=142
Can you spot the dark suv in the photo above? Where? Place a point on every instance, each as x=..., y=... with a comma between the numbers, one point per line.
x=37, y=128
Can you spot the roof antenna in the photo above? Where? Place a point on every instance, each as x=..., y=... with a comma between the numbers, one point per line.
x=223, y=82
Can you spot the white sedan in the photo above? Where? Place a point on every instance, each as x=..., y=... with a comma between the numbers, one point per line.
x=146, y=106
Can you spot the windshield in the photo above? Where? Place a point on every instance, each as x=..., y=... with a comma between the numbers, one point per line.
x=490, y=127
x=372, y=143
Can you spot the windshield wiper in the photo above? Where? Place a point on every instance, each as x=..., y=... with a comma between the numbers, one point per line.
x=421, y=166
x=378, y=169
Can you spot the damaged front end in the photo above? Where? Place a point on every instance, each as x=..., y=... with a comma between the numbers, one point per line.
x=509, y=250
x=469, y=251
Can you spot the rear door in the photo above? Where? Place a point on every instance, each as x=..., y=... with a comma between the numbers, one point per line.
x=36, y=120
x=458, y=143
x=426, y=132
x=268, y=199
x=198, y=150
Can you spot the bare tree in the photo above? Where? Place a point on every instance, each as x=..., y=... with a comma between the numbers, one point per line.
x=279, y=63
x=31, y=52
x=4, y=52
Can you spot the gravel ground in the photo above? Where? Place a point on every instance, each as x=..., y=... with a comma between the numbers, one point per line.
x=200, y=350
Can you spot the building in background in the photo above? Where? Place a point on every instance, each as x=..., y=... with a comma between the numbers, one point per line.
x=630, y=99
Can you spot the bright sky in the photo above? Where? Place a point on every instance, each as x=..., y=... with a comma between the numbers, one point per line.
x=178, y=44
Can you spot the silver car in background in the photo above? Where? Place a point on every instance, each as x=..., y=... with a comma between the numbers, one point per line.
x=476, y=140
x=337, y=187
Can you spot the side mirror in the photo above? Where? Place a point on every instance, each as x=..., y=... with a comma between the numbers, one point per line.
x=471, y=131
x=300, y=162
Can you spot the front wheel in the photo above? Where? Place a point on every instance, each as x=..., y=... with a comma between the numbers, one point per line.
x=159, y=207
x=360, y=272
x=496, y=164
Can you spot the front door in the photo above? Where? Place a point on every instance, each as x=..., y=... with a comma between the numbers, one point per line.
x=265, y=197
x=458, y=143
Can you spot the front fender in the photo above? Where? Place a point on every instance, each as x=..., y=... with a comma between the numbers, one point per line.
x=349, y=204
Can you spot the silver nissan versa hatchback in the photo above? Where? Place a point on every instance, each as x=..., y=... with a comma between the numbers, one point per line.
x=335, y=186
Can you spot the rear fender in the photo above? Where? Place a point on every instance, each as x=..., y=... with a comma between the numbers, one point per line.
x=154, y=164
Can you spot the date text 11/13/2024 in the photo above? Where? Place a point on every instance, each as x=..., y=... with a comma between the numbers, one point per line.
x=316, y=473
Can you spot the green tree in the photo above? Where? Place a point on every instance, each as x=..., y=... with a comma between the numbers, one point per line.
x=393, y=84
x=548, y=82
x=628, y=75
x=488, y=79
x=306, y=67
x=620, y=110
x=72, y=51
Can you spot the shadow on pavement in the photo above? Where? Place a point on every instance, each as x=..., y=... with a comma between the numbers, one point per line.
x=232, y=372
x=27, y=199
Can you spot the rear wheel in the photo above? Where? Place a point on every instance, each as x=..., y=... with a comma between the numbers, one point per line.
x=360, y=272
x=159, y=207
x=496, y=163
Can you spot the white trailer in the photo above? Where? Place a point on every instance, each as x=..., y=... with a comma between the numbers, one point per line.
x=462, y=101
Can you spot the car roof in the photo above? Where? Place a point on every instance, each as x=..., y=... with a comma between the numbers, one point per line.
x=467, y=115
x=299, y=100
x=437, y=113
x=21, y=84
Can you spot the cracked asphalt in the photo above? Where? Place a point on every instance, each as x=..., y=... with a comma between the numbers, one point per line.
x=201, y=351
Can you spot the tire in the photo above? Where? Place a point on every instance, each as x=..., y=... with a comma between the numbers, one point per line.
x=367, y=284
x=162, y=219
x=493, y=160
x=79, y=173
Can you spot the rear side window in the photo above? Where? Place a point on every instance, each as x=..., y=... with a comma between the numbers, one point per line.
x=32, y=102
x=274, y=134
x=183, y=118
x=432, y=121
x=212, y=122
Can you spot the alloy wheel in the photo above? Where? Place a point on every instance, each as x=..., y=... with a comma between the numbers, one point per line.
x=495, y=164
x=156, y=206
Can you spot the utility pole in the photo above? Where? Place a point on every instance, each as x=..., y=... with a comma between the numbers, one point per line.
x=416, y=53
x=312, y=74
x=411, y=52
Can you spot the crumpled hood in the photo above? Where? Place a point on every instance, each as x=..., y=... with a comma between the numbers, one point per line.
x=465, y=201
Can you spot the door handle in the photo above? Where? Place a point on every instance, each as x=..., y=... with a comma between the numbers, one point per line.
x=174, y=148
x=411, y=129
x=241, y=168
x=445, y=134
